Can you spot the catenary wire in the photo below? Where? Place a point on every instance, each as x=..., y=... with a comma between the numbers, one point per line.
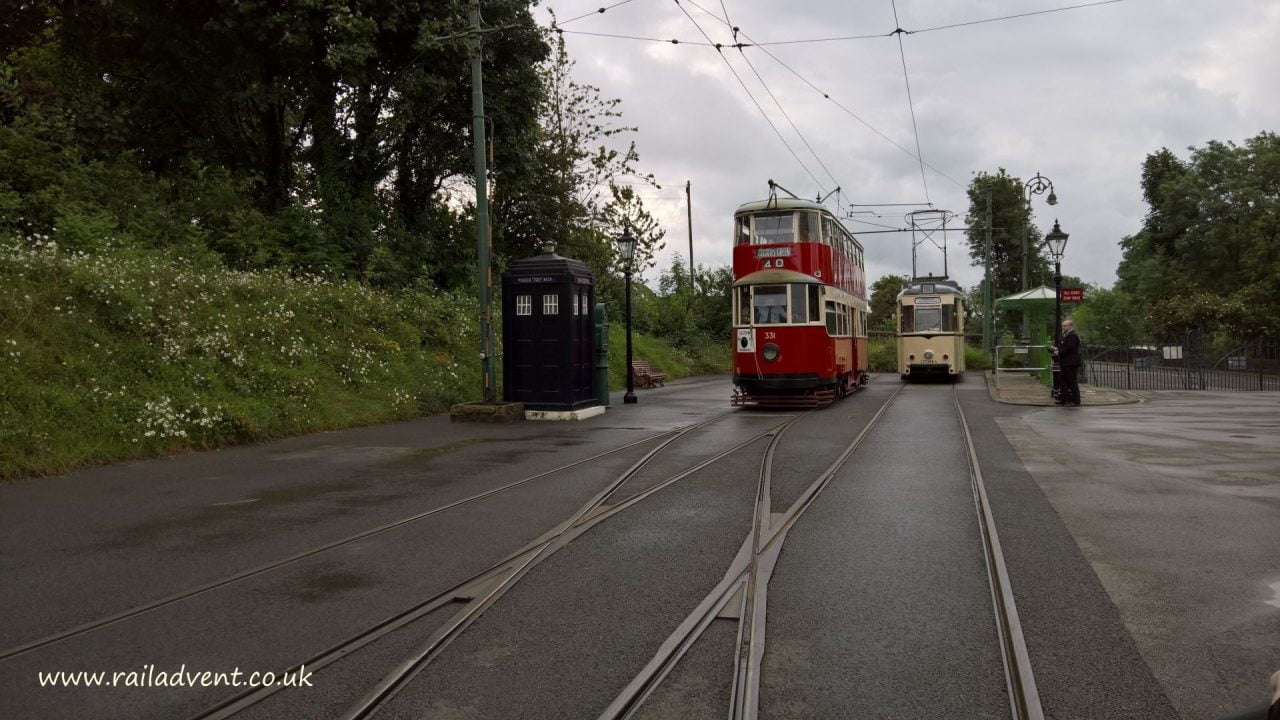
x=786, y=115
x=753, y=98
x=827, y=96
x=906, y=77
x=599, y=11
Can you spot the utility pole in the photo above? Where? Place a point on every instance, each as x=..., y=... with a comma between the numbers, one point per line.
x=688, y=203
x=987, y=343
x=483, y=239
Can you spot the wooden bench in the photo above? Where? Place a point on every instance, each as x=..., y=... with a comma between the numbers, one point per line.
x=645, y=374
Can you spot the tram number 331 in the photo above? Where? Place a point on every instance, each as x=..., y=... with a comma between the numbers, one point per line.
x=770, y=336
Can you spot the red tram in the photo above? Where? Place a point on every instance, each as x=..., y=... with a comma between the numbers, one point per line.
x=799, y=305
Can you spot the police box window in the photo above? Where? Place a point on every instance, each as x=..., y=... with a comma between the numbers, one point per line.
x=550, y=304
x=524, y=304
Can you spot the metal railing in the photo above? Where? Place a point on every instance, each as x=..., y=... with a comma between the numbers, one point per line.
x=1020, y=350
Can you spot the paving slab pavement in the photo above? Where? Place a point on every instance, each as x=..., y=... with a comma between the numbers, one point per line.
x=1176, y=504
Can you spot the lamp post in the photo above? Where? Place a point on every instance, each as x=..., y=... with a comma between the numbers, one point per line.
x=1056, y=241
x=627, y=251
x=1035, y=186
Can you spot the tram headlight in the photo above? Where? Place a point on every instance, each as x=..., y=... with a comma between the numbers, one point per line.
x=928, y=354
x=770, y=352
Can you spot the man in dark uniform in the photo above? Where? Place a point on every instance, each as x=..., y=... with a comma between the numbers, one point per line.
x=1068, y=354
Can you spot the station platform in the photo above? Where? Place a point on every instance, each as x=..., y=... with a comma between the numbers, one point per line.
x=1026, y=390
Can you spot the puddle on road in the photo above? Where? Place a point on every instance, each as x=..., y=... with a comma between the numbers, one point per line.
x=318, y=585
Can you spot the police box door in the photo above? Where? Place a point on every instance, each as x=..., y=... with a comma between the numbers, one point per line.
x=538, y=333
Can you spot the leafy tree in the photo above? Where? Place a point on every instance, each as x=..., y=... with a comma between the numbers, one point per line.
x=884, y=301
x=1107, y=318
x=1010, y=225
x=1208, y=254
x=572, y=192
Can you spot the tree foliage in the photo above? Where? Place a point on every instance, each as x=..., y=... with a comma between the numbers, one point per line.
x=1011, y=225
x=1208, y=254
x=884, y=301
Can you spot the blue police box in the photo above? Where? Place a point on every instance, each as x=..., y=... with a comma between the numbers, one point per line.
x=547, y=335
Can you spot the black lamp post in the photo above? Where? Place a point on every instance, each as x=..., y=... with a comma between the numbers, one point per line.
x=1037, y=185
x=627, y=251
x=1056, y=240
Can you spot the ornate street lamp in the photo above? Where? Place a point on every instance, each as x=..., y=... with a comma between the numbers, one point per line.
x=1037, y=185
x=1056, y=241
x=627, y=253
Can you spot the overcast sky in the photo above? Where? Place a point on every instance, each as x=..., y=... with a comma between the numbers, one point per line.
x=1080, y=96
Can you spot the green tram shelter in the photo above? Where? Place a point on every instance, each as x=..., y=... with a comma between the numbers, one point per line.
x=1036, y=305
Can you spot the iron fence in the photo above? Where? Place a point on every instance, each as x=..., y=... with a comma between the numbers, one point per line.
x=1193, y=362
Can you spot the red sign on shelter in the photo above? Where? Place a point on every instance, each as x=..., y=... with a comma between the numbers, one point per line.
x=1071, y=295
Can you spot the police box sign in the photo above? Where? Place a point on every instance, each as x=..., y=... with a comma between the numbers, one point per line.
x=773, y=252
x=536, y=279
x=1071, y=295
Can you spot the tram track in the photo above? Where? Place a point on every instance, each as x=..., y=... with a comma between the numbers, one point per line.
x=742, y=594
x=144, y=608
x=482, y=590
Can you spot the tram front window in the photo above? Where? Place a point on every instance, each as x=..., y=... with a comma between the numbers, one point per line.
x=773, y=228
x=928, y=319
x=770, y=304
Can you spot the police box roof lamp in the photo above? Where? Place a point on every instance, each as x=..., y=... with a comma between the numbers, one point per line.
x=1057, y=241
x=549, y=247
x=627, y=248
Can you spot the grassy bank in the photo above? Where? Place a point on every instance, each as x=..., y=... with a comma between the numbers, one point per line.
x=705, y=357
x=126, y=353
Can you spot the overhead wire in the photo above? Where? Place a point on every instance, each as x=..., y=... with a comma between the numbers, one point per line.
x=670, y=41
x=752, y=96
x=1013, y=17
x=827, y=96
x=599, y=11
x=906, y=77
x=781, y=109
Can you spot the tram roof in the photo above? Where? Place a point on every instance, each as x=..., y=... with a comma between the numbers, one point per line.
x=780, y=204
x=941, y=286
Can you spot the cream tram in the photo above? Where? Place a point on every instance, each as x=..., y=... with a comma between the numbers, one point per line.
x=931, y=329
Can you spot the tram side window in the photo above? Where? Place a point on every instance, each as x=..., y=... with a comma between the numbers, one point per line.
x=952, y=320
x=798, y=314
x=742, y=230
x=815, y=305
x=828, y=231
x=908, y=318
x=773, y=228
x=806, y=227
x=833, y=320
x=929, y=319
x=744, y=305
x=770, y=304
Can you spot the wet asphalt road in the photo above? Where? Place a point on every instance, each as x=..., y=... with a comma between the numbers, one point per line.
x=879, y=606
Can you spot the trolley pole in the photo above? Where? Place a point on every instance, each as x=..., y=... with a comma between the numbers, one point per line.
x=484, y=287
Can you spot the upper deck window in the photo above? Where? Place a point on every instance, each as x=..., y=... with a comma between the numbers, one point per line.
x=773, y=228
x=807, y=227
x=742, y=230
